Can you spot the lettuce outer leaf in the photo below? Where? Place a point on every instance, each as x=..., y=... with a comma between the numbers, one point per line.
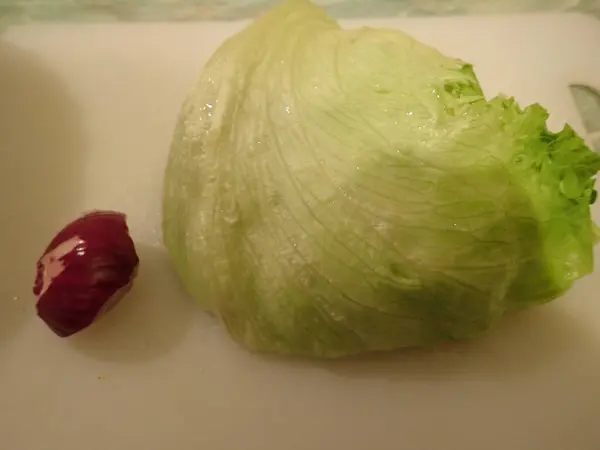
x=331, y=192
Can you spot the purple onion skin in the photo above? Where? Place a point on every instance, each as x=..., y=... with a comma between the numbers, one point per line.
x=86, y=270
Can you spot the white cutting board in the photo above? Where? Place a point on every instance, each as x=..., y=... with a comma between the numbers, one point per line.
x=86, y=116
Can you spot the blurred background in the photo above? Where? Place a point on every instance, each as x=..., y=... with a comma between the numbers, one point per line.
x=19, y=11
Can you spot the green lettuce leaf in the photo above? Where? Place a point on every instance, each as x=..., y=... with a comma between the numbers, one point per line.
x=330, y=192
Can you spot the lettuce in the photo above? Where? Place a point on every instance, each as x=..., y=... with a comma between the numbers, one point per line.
x=330, y=192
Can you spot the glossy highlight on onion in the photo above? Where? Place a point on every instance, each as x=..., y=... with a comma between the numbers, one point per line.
x=87, y=269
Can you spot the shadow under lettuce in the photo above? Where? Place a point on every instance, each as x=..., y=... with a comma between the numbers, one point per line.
x=532, y=341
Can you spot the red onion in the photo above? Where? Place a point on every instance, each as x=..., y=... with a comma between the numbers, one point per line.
x=87, y=268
